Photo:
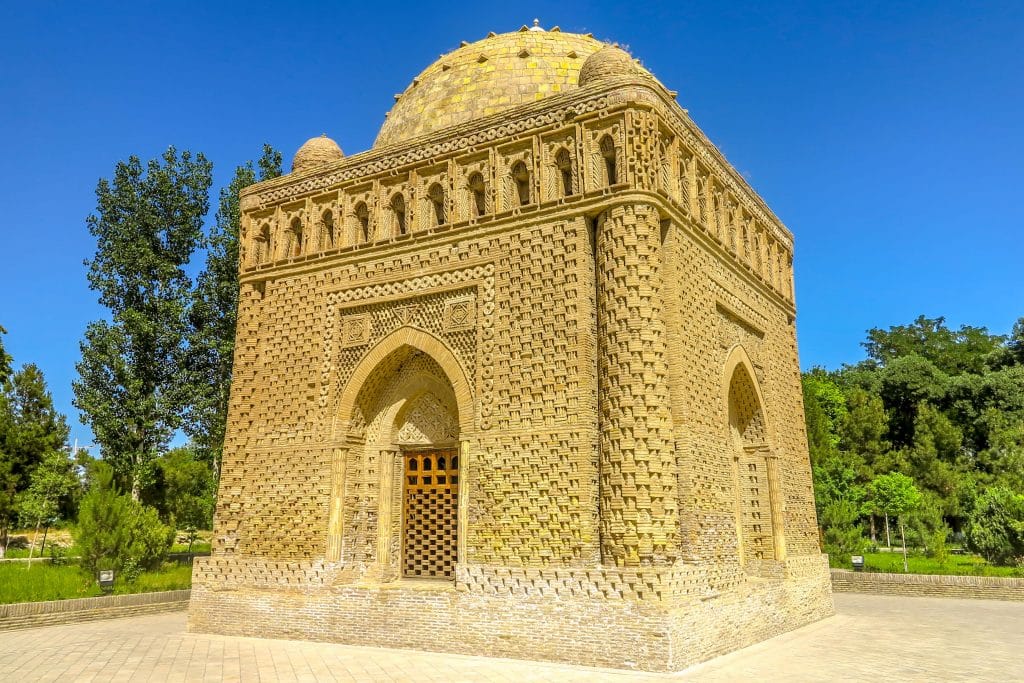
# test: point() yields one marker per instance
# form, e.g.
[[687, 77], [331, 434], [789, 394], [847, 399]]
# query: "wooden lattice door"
[[431, 503]]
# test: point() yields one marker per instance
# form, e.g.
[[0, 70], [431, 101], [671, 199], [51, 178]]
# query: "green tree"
[[824, 410], [932, 460], [183, 490], [1002, 463], [905, 384], [862, 440], [1015, 344], [30, 428], [52, 483], [116, 532], [841, 533], [838, 498], [213, 314], [927, 526], [979, 404], [863, 430], [895, 495], [130, 389], [996, 526], [951, 351], [5, 360]]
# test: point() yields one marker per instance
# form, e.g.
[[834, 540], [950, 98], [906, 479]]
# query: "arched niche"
[[758, 504]]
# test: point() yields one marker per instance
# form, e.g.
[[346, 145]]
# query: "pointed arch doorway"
[[396, 508]]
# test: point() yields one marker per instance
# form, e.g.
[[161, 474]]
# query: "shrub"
[[115, 531], [842, 535], [996, 526]]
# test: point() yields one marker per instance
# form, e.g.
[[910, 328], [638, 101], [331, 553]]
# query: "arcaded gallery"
[[520, 380]]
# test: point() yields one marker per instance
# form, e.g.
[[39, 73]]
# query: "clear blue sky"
[[888, 136]]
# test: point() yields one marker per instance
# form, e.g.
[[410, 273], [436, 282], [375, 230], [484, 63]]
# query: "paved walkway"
[[871, 638]]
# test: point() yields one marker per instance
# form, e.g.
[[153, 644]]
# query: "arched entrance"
[[395, 512], [755, 472]]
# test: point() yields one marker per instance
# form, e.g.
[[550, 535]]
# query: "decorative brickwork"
[[562, 289]]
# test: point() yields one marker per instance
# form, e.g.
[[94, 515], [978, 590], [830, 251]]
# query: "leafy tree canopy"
[[149, 222], [951, 351], [943, 408]]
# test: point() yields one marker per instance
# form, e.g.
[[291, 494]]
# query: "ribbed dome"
[[316, 151], [610, 60], [487, 77]]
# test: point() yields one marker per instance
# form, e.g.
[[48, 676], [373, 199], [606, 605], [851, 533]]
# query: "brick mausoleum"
[[521, 380]]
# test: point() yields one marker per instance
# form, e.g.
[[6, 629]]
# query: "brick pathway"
[[872, 637]]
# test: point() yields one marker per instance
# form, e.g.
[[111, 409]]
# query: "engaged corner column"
[[639, 507]]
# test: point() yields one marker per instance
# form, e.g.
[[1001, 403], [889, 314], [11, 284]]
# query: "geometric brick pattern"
[[568, 286]]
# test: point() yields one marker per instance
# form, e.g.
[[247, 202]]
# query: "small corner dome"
[[316, 152], [610, 60]]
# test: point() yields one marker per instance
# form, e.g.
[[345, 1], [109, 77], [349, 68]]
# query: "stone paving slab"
[[872, 637]]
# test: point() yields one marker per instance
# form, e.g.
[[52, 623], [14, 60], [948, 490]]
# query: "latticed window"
[[363, 221], [563, 162], [431, 493], [608, 154], [479, 190], [436, 196], [521, 176], [398, 211]]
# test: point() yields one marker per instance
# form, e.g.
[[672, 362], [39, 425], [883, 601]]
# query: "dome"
[[610, 60], [487, 77], [314, 152]]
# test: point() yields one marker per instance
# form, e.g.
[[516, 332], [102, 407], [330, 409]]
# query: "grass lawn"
[[197, 547], [961, 565], [18, 583]]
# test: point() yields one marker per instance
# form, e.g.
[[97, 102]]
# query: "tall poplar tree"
[[147, 225], [213, 315]]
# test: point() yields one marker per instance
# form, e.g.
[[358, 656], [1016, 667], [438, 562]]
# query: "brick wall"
[[577, 617], [33, 614], [929, 585]]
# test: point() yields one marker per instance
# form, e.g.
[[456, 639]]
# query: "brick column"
[[241, 403], [639, 515], [775, 493]]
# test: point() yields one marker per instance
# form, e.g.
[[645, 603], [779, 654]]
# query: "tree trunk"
[[874, 535], [904, 539], [32, 547], [888, 542], [42, 546]]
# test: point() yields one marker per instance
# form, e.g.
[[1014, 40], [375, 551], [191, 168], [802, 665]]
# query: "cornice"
[[608, 94]]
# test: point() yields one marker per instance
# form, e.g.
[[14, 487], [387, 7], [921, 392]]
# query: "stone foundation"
[[540, 614]]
